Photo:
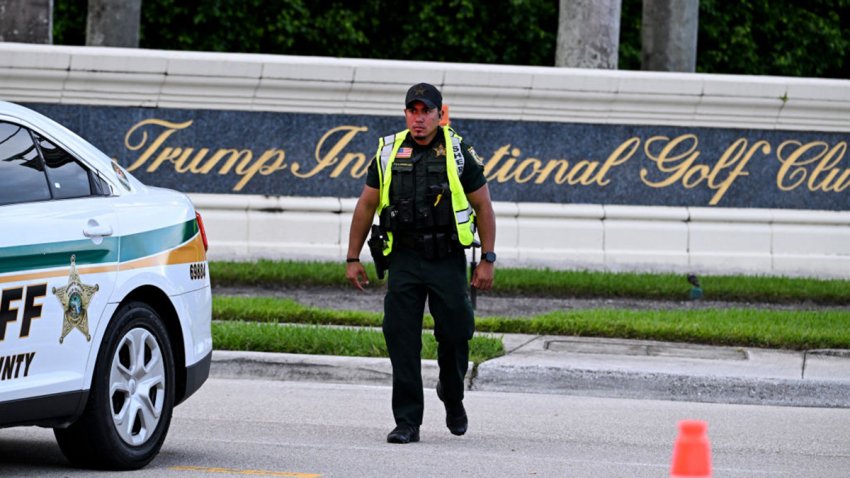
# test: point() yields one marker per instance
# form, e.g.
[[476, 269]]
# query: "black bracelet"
[[352, 259]]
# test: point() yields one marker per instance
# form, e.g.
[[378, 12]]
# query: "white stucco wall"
[[714, 240]]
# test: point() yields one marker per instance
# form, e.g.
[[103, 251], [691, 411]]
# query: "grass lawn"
[[254, 323]]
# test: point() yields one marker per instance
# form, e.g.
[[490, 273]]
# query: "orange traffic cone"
[[444, 119], [691, 452]]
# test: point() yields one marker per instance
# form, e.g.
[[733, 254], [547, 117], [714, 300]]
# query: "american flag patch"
[[404, 152]]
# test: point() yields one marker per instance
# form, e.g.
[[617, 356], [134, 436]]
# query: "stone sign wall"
[[310, 155]]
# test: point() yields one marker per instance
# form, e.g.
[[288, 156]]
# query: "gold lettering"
[[695, 175], [491, 163], [793, 166], [359, 164], [360, 168], [167, 154], [619, 156], [247, 169], [832, 182], [170, 128], [198, 161], [504, 173], [674, 165], [739, 160], [235, 155], [582, 173], [585, 172], [330, 158], [824, 174], [563, 167], [680, 167], [817, 166], [535, 165], [180, 164]]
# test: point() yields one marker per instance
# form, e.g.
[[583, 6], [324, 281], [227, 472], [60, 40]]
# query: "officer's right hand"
[[356, 274]]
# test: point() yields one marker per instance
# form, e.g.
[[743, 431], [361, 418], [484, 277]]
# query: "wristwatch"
[[489, 257]]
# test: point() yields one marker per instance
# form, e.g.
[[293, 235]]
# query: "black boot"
[[403, 434], [456, 420]]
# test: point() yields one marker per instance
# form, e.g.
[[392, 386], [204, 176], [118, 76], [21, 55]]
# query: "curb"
[[312, 368], [661, 386], [495, 376]]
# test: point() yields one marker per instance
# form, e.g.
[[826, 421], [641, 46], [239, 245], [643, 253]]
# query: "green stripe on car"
[[58, 254]]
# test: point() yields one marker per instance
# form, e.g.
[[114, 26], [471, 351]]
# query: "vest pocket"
[[403, 185], [436, 246]]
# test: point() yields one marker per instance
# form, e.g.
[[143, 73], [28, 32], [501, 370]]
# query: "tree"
[[588, 34], [759, 37], [113, 23], [26, 21], [751, 37], [669, 35]]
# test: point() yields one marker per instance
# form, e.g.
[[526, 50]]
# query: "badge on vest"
[[440, 151]]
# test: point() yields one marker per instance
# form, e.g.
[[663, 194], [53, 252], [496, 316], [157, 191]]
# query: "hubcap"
[[137, 386]]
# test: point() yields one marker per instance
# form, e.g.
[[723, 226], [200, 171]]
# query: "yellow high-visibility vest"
[[464, 215]]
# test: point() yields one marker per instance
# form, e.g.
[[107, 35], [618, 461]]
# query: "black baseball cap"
[[425, 93]]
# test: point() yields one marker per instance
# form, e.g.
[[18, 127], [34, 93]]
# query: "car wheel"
[[131, 398]]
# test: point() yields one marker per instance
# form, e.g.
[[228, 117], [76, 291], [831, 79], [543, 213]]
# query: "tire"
[[131, 398]]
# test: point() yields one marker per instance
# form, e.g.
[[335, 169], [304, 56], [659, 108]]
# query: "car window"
[[68, 178], [21, 170]]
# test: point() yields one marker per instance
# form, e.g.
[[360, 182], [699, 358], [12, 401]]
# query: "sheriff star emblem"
[[440, 150], [75, 297], [420, 90]]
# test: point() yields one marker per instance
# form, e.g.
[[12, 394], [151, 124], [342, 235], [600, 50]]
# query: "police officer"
[[427, 186]]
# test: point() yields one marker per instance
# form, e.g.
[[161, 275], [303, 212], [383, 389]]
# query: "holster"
[[376, 247]]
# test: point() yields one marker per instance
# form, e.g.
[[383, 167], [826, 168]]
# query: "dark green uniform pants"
[[443, 282]]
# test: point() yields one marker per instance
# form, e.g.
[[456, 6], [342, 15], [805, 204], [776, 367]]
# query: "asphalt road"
[[301, 429]]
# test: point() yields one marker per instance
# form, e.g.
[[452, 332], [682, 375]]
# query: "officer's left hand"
[[482, 278], [356, 274]]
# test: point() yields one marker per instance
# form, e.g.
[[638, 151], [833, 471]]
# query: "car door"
[[58, 263]]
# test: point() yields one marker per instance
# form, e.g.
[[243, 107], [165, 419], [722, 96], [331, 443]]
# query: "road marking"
[[234, 471]]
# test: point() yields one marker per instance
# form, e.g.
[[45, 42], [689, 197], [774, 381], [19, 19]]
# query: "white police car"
[[106, 304]]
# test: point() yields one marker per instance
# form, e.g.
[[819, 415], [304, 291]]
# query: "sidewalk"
[[597, 367]]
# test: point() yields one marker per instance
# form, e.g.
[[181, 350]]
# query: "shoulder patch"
[[475, 156]]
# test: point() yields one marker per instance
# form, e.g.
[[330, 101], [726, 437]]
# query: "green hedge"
[[757, 37]]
